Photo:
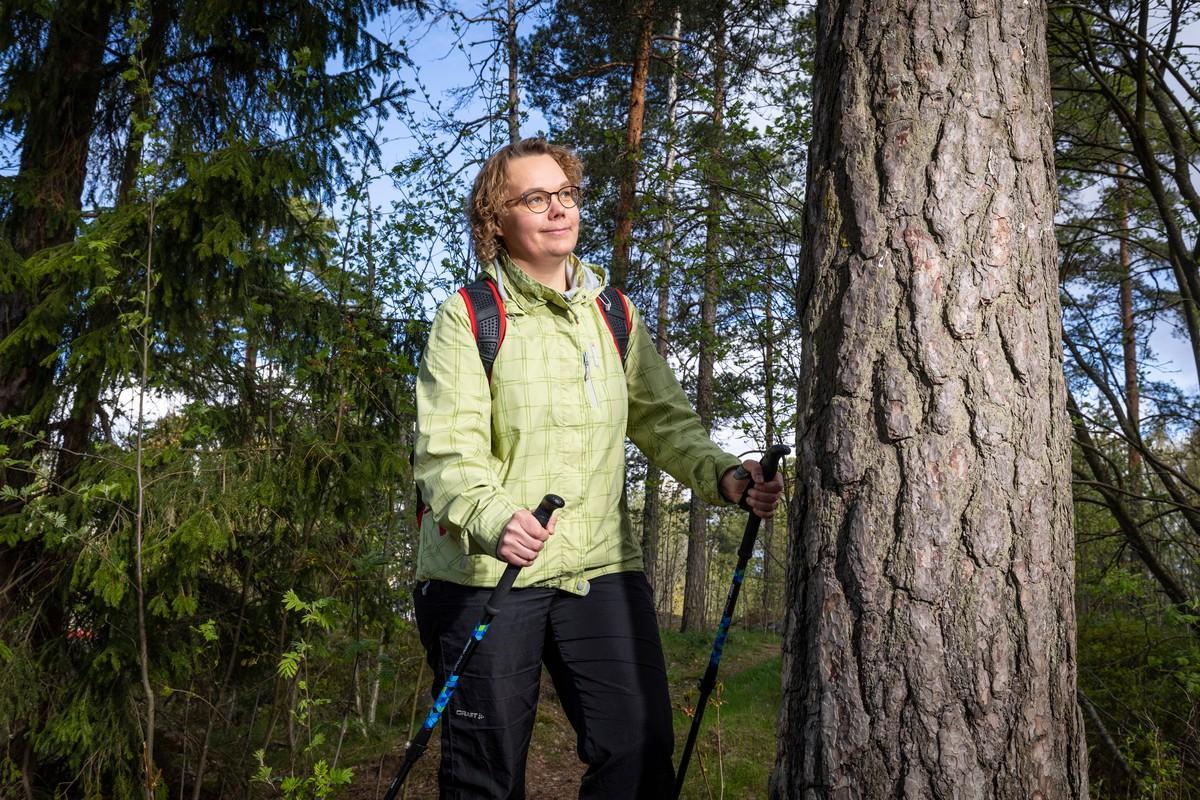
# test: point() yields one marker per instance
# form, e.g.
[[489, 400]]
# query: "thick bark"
[[652, 508], [930, 649], [627, 190], [695, 591]]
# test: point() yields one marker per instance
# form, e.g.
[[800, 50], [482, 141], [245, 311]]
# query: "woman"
[[552, 418]]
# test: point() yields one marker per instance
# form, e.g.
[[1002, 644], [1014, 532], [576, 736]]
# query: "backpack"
[[485, 308]]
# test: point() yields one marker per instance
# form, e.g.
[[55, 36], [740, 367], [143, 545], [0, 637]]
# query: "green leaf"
[[208, 629]]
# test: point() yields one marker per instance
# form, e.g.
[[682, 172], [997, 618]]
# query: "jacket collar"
[[517, 288]]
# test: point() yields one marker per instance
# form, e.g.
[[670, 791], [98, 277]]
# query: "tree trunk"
[[930, 646], [652, 507], [510, 43], [1128, 331], [632, 155], [695, 590], [767, 539], [48, 198]]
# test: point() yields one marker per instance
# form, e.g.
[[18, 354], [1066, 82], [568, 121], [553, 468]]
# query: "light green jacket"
[[553, 419]]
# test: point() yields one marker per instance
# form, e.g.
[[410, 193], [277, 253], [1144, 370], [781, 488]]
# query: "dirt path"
[[553, 770]]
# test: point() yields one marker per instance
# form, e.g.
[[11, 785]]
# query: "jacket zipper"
[[587, 379]]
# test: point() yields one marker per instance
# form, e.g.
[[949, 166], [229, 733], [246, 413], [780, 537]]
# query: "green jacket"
[[553, 419]]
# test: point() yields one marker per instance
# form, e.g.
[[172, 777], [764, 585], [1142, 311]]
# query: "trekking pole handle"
[[770, 465], [550, 503]]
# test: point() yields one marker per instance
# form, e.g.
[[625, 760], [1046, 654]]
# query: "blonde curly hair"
[[486, 204]]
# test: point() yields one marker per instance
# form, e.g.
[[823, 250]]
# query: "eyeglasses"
[[538, 200]]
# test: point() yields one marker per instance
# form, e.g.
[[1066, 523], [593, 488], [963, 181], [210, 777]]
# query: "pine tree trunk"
[[930, 649], [695, 590], [1128, 331], [512, 51], [632, 155]]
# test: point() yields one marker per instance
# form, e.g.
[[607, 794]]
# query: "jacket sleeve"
[[663, 424], [454, 466]]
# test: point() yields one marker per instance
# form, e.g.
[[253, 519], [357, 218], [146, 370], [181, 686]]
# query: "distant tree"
[[163, 233]]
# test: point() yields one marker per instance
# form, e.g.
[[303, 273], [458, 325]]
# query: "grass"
[[736, 745]]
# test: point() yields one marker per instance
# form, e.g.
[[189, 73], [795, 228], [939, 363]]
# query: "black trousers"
[[604, 655]]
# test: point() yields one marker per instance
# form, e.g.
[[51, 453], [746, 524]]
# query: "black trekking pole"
[[416, 748], [770, 465]]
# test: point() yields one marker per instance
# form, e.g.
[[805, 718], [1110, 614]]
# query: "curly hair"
[[486, 204]]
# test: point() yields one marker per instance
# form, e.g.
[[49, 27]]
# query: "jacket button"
[[583, 586]]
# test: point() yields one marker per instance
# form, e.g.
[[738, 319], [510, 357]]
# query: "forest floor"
[[736, 746]]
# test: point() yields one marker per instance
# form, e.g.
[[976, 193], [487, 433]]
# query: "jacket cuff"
[[488, 524], [725, 463]]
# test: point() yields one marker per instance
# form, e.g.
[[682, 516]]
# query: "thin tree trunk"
[[376, 682], [632, 155], [1128, 330], [1110, 745], [930, 649], [768, 526], [151, 773], [1122, 513], [514, 105], [695, 592], [652, 507], [226, 680]]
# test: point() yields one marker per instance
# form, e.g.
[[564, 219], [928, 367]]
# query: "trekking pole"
[[416, 748], [770, 465]]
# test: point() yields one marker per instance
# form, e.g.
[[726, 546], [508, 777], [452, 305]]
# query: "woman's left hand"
[[762, 497]]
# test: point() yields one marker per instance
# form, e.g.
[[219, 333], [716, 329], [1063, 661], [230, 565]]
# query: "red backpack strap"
[[614, 308], [486, 310]]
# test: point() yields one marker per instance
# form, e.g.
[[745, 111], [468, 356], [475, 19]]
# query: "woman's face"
[[541, 241]]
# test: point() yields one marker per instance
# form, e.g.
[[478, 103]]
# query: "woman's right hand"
[[523, 538]]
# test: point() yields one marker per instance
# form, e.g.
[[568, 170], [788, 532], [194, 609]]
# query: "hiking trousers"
[[605, 658]]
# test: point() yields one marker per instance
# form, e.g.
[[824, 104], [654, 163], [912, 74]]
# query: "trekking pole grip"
[[550, 503], [770, 464]]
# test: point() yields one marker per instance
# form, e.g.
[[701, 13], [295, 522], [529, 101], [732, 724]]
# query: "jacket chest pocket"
[[538, 379], [566, 372]]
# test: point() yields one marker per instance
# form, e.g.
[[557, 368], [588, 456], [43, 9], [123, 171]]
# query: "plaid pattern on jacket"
[[553, 419]]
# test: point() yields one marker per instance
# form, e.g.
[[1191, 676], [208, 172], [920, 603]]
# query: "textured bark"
[[930, 646], [627, 191], [695, 590]]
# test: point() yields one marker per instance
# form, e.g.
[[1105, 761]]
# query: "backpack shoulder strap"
[[486, 310], [615, 310]]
